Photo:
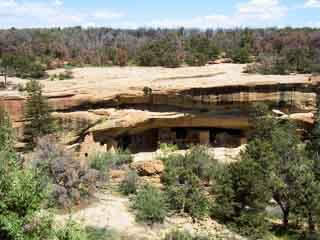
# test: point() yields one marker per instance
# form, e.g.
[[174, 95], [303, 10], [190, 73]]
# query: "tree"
[[6, 132], [243, 184], [283, 175], [166, 52], [21, 194], [273, 165], [121, 58], [39, 121], [183, 178], [241, 55], [274, 146], [6, 67], [307, 194]]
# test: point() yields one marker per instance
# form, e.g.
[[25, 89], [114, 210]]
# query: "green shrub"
[[130, 184], [71, 231], [147, 91], [184, 177], [104, 161], [101, 162], [21, 196], [241, 55], [196, 59], [102, 234], [188, 197], [251, 224], [150, 205], [315, 69], [68, 74], [171, 60], [184, 235], [198, 161]]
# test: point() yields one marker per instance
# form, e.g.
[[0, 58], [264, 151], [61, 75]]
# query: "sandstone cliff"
[[113, 102]]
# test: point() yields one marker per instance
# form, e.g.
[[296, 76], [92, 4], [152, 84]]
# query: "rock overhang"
[[213, 96]]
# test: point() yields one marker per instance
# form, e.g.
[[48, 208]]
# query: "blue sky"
[[161, 13]]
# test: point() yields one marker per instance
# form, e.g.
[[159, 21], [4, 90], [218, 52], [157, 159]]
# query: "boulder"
[[117, 174], [148, 167]]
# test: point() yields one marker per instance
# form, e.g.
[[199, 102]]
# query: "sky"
[[159, 13]]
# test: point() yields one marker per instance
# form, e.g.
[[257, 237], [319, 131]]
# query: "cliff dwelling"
[[150, 140], [182, 137]]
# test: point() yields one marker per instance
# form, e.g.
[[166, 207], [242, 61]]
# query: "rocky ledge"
[[130, 106]]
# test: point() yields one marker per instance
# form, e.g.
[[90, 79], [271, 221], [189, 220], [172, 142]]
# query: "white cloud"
[[14, 13], [261, 10], [312, 4], [58, 2], [251, 13], [212, 21], [7, 3]]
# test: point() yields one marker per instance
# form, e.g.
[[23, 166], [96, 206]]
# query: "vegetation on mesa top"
[[27, 53]]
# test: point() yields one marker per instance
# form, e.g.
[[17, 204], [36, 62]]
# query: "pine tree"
[[6, 132], [39, 121]]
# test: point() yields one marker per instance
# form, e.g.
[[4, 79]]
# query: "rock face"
[[184, 105]]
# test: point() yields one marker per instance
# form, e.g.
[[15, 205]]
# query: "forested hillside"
[[28, 52]]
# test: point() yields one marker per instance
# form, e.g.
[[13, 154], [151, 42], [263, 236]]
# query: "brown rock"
[[117, 174], [148, 168]]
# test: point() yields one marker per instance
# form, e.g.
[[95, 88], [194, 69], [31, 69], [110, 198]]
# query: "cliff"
[[114, 102]]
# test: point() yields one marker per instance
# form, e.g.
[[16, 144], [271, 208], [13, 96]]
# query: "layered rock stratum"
[[111, 102]]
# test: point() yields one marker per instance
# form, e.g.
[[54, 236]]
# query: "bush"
[[147, 91], [188, 197], [65, 75], [21, 196], [251, 224], [184, 177], [198, 161], [102, 234], [241, 55], [315, 69], [72, 231], [150, 205], [24, 66], [171, 60], [63, 174], [179, 235], [130, 184], [104, 161], [196, 59]]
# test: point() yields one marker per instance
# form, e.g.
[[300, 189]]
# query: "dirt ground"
[[112, 211]]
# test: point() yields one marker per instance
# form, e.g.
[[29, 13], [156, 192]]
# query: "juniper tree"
[[39, 121]]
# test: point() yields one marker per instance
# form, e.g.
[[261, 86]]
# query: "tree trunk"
[[5, 76], [285, 219], [311, 223]]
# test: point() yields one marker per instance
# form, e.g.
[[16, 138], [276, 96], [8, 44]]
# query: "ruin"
[[182, 137]]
